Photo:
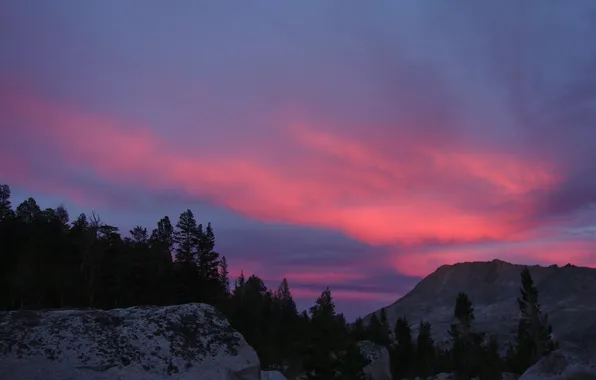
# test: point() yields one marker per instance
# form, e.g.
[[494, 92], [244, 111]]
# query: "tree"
[[325, 339], [5, 205], [358, 330], [492, 364], [185, 236], [139, 235], [466, 344], [351, 363], [378, 329], [534, 333], [208, 259], [28, 211], [425, 349], [47, 263], [162, 237], [402, 354], [62, 216], [386, 331], [224, 275]]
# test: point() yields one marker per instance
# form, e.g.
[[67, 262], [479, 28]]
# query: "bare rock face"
[[380, 365], [192, 341], [567, 294], [560, 365]]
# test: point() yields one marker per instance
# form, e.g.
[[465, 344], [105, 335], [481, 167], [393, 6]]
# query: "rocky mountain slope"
[[567, 293], [192, 341]]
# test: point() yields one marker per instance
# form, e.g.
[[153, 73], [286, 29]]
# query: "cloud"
[[410, 135]]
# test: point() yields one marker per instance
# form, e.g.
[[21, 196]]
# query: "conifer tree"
[[534, 333], [324, 339], [466, 344], [425, 350], [378, 330], [208, 259], [185, 236], [385, 335], [224, 274], [5, 205], [403, 350]]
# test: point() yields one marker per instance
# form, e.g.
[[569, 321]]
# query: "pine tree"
[[185, 237], [425, 349], [208, 259], [224, 275], [534, 333], [385, 329], [324, 339], [378, 329], [163, 235], [466, 344], [5, 205], [403, 351]]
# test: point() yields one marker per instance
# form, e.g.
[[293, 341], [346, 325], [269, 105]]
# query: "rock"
[[567, 294], [380, 365], [192, 341], [272, 375], [560, 365]]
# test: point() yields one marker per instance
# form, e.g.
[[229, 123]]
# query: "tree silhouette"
[[534, 333]]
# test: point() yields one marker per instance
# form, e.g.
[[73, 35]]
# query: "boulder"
[[560, 365], [191, 341], [380, 365]]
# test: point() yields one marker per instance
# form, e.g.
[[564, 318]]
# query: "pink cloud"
[[420, 190]]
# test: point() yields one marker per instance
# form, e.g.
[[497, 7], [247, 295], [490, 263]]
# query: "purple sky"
[[353, 144]]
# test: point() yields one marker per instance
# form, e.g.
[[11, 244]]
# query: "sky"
[[356, 145]]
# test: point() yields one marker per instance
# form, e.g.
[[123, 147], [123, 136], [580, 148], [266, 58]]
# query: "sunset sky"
[[355, 144]]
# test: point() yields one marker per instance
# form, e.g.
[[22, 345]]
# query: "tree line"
[[470, 353], [47, 261]]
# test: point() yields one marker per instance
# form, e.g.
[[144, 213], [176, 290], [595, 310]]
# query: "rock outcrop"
[[192, 341], [567, 294], [560, 365], [380, 363]]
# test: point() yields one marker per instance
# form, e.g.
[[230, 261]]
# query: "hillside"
[[567, 294]]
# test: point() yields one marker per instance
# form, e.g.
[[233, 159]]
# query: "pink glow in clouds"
[[439, 193]]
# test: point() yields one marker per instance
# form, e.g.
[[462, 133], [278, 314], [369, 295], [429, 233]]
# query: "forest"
[[48, 261]]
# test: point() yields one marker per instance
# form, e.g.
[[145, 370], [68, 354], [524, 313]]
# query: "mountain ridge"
[[567, 294]]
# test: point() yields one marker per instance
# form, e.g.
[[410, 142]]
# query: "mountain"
[[567, 294]]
